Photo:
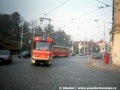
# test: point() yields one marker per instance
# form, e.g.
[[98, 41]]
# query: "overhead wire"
[[95, 17], [57, 7], [90, 19], [31, 11], [102, 3], [89, 3], [62, 17], [83, 15], [88, 13]]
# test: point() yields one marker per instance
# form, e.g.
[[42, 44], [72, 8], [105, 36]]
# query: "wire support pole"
[[41, 21]]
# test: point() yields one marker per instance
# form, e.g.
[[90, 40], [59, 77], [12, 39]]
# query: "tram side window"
[[62, 49], [67, 49], [59, 49], [56, 49]]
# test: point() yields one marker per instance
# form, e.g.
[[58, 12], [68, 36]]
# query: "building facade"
[[116, 33], [102, 45]]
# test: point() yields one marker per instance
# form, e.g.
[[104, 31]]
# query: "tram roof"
[[44, 39], [60, 46]]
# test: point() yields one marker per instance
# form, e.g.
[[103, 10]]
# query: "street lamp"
[[72, 45], [71, 39], [91, 48], [104, 26], [22, 40], [80, 46], [84, 45], [104, 30]]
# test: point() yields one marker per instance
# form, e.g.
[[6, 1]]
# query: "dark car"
[[5, 56], [72, 53], [97, 56], [26, 54]]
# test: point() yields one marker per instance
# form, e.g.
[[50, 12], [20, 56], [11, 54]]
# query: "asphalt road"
[[65, 73]]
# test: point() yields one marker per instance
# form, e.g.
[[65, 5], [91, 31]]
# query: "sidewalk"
[[99, 64]]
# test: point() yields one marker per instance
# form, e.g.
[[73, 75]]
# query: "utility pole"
[[105, 45], [84, 46], [41, 21], [21, 40], [91, 48]]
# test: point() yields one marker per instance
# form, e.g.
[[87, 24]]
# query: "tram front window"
[[42, 45]]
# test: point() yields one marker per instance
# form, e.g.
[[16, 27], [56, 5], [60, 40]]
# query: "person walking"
[[106, 58]]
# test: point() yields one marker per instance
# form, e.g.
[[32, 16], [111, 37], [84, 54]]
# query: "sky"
[[76, 17]]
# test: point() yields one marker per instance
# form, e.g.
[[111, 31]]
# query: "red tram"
[[61, 51], [42, 50]]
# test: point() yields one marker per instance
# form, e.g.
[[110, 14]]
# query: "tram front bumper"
[[35, 60]]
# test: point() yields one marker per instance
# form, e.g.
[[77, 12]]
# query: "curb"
[[95, 67]]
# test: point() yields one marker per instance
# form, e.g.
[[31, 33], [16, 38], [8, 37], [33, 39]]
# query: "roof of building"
[[101, 42]]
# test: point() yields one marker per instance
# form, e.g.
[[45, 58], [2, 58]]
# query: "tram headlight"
[[48, 56]]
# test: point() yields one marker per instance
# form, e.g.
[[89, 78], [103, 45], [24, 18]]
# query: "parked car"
[[97, 56], [73, 54], [26, 54], [81, 54], [6, 56], [88, 53]]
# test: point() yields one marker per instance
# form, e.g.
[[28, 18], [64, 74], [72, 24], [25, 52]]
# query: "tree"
[[10, 30], [15, 23], [61, 38], [38, 31], [5, 26], [93, 45], [26, 32], [48, 30], [33, 24]]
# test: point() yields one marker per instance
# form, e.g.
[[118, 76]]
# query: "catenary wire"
[[57, 7]]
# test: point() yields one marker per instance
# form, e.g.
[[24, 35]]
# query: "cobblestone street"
[[64, 72]]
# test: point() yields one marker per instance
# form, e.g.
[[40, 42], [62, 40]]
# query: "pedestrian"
[[106, 58]]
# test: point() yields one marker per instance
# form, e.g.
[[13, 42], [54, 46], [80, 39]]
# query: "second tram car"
[[61, 51]]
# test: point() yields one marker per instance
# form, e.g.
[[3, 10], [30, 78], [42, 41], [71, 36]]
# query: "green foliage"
[[11, 29], [61, 38], [5, 26]]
